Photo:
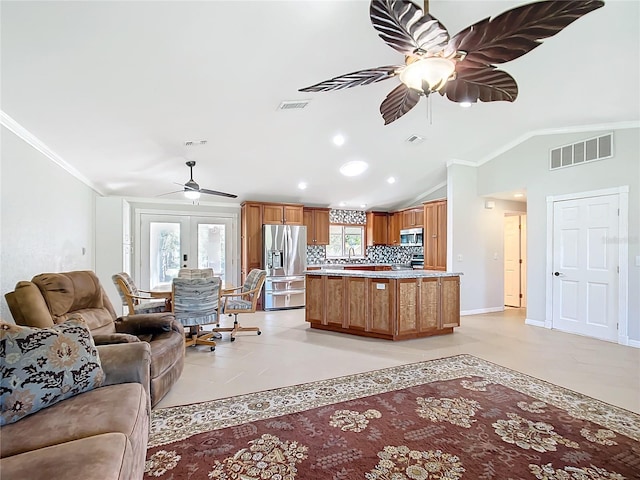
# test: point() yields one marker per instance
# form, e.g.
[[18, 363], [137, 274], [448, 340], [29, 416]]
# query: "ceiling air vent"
[[415, 139], [596, 148], [293, 104]]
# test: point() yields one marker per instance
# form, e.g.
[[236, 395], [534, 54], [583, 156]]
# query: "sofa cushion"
[[43, 366], [120, 408], [108, 456], [166, 349]]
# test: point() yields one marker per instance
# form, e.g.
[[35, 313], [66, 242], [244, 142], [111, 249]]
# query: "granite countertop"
[[382, 273], [337, 266]]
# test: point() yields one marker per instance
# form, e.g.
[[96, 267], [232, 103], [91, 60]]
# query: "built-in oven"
[[411, 237]]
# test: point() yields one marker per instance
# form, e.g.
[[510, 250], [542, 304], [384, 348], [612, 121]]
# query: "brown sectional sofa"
[[100, 434]]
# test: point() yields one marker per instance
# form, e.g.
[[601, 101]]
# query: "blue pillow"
[[42, 366]]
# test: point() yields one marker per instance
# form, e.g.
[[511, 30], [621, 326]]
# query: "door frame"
[[234, 237], [623, 255]]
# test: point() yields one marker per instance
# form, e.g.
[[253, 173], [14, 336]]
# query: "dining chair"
[[195, 303], [140, 301], [243, 299], [195, 273]]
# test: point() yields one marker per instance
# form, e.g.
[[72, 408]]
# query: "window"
[[344, 238]]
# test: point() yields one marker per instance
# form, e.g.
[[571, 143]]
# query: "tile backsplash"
[[316, 254]]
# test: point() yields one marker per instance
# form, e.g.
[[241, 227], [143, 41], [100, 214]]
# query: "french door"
[[170, 242]]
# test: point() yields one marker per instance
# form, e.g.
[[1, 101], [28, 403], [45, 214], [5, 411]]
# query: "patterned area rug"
[[452, 418]]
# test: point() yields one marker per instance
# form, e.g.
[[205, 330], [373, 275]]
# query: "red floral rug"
[[453, 418]]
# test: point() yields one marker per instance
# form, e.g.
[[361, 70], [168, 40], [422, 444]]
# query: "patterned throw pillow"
[[42, 366]]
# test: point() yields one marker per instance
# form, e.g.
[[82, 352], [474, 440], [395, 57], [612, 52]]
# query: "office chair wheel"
[[233, 339], [213, 349], [259, 332]]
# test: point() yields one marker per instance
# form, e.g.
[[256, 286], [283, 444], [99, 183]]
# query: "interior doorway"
[[168, 242], [515, 260]]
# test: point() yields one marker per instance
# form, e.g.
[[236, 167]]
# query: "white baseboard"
[[482, 310], [634, 343], [535, 323]]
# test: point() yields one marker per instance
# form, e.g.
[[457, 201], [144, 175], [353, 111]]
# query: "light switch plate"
[[380, 286]]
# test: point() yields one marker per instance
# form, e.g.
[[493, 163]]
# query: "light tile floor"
[[288, 352]]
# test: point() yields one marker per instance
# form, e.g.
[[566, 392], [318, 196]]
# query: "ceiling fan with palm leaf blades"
[[192, 190], [461, 67]]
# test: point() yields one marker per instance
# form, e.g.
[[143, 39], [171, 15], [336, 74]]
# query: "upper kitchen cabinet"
[[395, 222], [277, 214], [435, 235], [377, 228], [412, 218], [317, 222]]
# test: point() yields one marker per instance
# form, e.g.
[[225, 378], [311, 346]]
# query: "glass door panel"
[[164, 258]]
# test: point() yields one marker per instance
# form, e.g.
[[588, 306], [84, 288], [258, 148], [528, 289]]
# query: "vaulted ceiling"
[[115, 89]]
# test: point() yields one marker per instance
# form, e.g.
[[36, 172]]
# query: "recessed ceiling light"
[[338, 140], [391, 180], [353, 168], [364, 205], [302, 185], [465, 104], [342, 204], [518, 195]]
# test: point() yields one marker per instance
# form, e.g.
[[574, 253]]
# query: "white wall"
[[527, 166], [46, 217], [476, 241]]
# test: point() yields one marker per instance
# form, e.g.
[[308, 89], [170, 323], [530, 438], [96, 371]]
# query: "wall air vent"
[[415, 139], [193, 143], [596, 148], [293, 104]]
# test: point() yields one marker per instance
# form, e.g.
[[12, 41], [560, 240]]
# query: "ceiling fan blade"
[[480, 82], [220, 194], [169, 193], [517, 31], [399, 101], [406, 28], [354, 79]]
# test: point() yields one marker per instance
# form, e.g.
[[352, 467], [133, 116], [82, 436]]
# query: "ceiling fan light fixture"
[[435, 71], [192, 194]]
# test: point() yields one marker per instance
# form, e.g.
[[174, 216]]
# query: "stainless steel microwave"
[[411, 237]]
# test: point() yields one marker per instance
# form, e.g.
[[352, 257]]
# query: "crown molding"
[[556, 131], [29, 138], [422, 195], [456, 161]]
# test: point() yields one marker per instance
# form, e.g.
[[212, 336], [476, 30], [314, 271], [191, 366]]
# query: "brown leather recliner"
[[50, 298]]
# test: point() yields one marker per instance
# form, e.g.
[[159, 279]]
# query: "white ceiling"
[[116, 88]]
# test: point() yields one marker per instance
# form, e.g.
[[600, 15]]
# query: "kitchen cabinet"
[[393, 307], [317, 222], [277, 214], [377, 228], [412, 217], [435, 235], [250, 237], [395, 221]]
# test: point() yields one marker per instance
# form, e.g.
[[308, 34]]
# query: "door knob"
[[557, 274]]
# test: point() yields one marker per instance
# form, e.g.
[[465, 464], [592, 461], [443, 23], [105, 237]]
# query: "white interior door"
[[523, 263], [585, 269], [512, 261], [170, 242]]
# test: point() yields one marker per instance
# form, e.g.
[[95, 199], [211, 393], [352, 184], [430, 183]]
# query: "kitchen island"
[[394, 305]]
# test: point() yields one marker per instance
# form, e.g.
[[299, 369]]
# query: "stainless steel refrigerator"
[[285, 260]]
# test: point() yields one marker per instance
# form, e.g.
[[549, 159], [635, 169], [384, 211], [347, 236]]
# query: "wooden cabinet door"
[[273, 214], [321, 226], [314, 299], [356, 303], [441, 235], [407, 305], [292, 214], [418, 214], [335, 298], [381, 305], [251, 237], [449, 302], [407, 219], [430, 236], [395, 221], [307, 221], [429, 317], [377, 228]]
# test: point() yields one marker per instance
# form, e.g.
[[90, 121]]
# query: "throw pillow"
[[42, 366]]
